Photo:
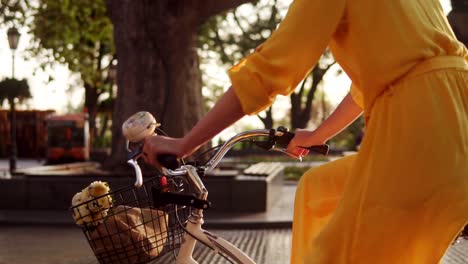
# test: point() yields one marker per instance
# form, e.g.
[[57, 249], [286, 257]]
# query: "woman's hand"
[[225, 112], [346, 112], [156, 144], [304, 138]]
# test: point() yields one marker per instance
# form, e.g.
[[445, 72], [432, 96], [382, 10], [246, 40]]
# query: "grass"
[[294, 173]]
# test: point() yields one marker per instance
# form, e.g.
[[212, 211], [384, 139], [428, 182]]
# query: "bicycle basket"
[[130, 229]]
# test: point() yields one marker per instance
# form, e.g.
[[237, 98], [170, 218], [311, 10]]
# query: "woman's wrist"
[[186, 147], [319, 136]]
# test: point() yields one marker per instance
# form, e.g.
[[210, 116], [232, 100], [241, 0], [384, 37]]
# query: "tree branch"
[[239, 25], [301, 90], [274, 12], [217, 39], [328, 67], [317, 78]]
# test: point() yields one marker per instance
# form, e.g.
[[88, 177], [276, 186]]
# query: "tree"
[[350, 138], [236, 34], [301, 99], [78, 34], [458, 19], [158, 69], [13, 12], [12, 89]]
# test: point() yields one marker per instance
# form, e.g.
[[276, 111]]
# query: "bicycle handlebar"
[[143, 124], [278, 139]]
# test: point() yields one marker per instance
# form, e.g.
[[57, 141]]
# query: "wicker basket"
[[130, 229]]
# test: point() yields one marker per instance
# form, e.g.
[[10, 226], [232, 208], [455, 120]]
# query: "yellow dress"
[[404, 197]]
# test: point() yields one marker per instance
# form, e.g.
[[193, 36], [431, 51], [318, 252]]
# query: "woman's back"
[[377, 42]]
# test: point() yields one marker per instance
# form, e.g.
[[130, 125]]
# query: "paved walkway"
[[41, 244], [50, 237], [266, 237], [20, 164]]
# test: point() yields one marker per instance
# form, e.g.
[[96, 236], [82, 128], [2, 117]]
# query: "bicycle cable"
[[208, 150]]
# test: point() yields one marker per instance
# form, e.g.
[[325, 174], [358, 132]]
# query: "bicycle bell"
[[135, 129], [138, 126]]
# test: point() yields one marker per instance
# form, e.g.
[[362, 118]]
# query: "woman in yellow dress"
[[404, 197]]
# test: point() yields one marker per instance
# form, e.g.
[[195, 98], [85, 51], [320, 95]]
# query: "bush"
[[294, 173], [12, 88]]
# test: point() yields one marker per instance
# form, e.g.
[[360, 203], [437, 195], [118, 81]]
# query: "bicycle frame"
[[195, 232], [193, 229]]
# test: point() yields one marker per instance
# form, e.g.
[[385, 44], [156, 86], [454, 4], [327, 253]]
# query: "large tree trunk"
[[91, 102], [158, 66], [458, 19]]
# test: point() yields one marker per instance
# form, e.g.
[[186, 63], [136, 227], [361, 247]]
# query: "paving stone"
[[47, 244]]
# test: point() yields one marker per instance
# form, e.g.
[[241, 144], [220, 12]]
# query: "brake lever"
[[322, 149], [132, 157], [138, 174], [282, 150]]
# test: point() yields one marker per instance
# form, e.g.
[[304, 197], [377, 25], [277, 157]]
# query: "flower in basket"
[[90, 205]]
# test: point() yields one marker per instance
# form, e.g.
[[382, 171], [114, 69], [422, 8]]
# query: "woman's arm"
[[276, 67], [226, 111], [346, 112]]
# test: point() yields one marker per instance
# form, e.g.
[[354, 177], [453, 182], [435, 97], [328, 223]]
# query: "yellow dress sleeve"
[[280, 63], [356, 94]]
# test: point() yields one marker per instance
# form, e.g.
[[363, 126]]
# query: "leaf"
[[71, 30]]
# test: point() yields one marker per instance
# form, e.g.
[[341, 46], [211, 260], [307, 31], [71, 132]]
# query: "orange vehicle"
[[67, 138]]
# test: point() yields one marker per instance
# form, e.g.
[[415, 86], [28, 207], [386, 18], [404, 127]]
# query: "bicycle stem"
[[197, 182]]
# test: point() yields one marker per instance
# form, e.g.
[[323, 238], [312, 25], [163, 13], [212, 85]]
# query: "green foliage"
[[11, 88], [226, 39], [215, 92], [13, 12], [76, 33], [294, 173], [235, 34], [349, 139], [104, 141]]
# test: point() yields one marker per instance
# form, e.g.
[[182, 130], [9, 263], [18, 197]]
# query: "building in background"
[[68, 138], [31, 133]]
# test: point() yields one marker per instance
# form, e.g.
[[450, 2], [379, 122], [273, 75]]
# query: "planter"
[[255, 189]]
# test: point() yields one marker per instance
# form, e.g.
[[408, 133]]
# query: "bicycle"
[[174, 204]]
